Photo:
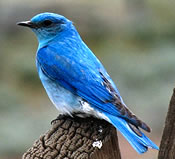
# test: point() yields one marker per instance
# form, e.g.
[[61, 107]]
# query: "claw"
[[59, 117]]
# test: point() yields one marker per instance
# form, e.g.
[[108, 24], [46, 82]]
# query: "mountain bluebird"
[[76, 81]]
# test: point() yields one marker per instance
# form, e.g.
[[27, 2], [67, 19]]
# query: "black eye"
[[47, 23]]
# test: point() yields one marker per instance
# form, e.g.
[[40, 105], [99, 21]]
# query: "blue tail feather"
[[139, 142]]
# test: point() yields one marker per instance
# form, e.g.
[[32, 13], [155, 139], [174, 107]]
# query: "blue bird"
[[76, 81]]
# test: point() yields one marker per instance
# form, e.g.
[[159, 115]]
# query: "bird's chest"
[[65, 101]]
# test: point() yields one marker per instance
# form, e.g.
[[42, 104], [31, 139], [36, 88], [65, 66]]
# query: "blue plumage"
[[76, 81]]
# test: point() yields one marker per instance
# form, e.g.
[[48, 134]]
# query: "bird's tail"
[[135, 137]]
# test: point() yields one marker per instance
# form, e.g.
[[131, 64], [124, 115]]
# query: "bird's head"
[[46, 26]]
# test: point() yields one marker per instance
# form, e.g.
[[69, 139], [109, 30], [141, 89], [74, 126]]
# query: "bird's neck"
[[70, 35], [44, 42]]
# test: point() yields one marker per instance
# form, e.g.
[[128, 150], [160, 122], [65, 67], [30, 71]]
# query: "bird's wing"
[[87, 79]]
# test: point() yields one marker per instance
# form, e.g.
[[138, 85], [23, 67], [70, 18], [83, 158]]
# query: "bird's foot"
[[59, 117]]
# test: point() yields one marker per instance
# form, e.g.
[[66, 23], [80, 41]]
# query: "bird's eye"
[[47, 23]]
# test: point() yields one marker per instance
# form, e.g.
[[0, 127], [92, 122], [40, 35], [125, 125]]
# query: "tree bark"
[[76, 138], [167, 146]]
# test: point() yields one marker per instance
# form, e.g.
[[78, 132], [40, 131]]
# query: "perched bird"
[[76, 81]]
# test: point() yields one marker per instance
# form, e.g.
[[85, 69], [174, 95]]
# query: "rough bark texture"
[[167, 146], [74, 138]]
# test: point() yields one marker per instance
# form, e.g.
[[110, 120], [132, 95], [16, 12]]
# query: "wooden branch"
[[167, 146], [76, 138]]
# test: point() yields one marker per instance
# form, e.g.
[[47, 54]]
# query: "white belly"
[[65, 101]]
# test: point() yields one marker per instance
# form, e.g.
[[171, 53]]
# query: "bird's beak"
[[27, 24]]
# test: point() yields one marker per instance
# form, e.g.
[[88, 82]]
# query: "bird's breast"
[[65, 101]]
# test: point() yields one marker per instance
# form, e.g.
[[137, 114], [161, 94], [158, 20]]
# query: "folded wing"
[[84, 75]]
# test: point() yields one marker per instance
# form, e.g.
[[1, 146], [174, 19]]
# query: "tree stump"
[[167, 146], [76, 138]]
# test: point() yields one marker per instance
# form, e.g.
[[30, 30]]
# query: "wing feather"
[[87, 79]]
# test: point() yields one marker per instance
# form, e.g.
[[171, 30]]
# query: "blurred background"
[[133, 39]]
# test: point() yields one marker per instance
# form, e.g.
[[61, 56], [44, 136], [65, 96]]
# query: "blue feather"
[[72, 74], [83, 78], [139, 142]]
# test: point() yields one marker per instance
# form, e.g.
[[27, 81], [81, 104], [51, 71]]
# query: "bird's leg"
[[59, 117]]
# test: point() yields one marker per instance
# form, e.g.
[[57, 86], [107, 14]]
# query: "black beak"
[[27, 24]]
